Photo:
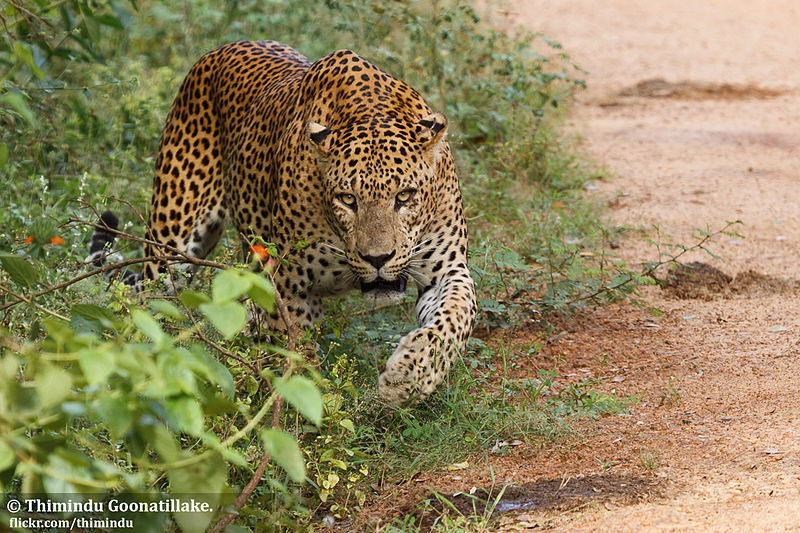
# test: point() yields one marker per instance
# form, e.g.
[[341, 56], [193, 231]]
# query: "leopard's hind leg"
[[188, 209]]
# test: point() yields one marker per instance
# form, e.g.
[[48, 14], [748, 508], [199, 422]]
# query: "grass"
[[672, 395], [649, 460]]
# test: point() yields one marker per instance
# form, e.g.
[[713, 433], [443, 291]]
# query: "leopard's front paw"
[[414, 369]]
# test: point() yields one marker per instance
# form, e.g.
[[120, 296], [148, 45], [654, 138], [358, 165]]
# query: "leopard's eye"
[[405, 196], [348, 199]]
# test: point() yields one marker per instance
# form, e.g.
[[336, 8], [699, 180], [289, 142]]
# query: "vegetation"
[[102, 393]]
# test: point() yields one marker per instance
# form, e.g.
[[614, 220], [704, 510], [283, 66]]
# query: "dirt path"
[[714, 444]]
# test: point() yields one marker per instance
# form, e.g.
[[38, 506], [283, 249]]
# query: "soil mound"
[[692, 90], [700, 281]]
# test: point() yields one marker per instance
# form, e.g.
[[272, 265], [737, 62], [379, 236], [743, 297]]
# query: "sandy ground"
[[714, 445]]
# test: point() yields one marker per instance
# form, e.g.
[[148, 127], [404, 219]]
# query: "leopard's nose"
[[377, 260]]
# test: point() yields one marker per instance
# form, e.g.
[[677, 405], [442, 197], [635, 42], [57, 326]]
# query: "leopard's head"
[[380, 190]]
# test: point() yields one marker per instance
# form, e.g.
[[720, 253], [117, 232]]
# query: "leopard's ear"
[[431, 132], [319, 138]]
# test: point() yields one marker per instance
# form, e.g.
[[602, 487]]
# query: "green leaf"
[[24, 53], [111, 21], [20, 271], [338, 463], [303, 395], [116, 414], [16, 102], [262, 292], [229, 285], [94, 313], [58, 333], [96, 365], [213, 369], [162, 441], [193, 298], [184, 413], [149, 326], [205, 481], [173, 378], [229, 318], [232, 455], [167, 309], [9, 365], [69, 468], [284, 450], [52, 385], [7, 457], [3, 154]]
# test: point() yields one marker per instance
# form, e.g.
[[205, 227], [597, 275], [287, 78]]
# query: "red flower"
[[29, 239], [260, 251]]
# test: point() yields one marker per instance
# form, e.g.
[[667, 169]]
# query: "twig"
[[651, 269], [5, 26], [116, 266], [179, 257], [225, 352], [11, 344], [130, 206], [291, 328], [28, 300], [27, 15], [247, 491], [168, 248], [82, 88]]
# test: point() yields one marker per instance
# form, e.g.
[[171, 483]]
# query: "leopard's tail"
[[102, 246]]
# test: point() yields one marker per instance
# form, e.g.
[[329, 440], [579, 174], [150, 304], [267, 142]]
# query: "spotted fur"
[[336, 153]]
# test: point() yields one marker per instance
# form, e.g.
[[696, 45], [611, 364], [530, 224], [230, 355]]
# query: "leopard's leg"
[[446, 313], [188, 209], [446, 310]]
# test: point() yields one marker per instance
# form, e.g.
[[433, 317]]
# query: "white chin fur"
[[384, 298]]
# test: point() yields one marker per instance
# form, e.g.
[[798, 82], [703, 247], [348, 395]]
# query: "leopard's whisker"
[[423, 246], [418, 276], [335, 250]]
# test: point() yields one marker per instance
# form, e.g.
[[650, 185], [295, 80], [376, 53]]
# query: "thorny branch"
[[178, 256], [170, 259], [650, 269], [28, 16]]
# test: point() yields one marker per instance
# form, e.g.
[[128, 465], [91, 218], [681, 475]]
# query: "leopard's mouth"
[[380, 285]]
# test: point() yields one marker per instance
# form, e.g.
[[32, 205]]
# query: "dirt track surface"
[[694, 109]]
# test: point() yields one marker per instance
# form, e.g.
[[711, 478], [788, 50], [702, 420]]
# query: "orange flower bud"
[[29, 239], [57, 241]]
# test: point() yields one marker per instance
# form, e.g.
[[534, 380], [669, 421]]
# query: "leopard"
[[337, 155]]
